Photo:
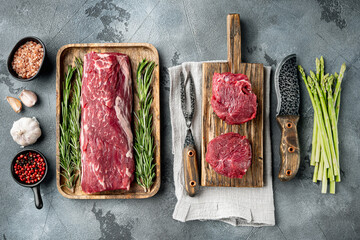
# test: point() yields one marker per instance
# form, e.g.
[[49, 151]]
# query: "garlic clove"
[[15, 104], [28, 98]]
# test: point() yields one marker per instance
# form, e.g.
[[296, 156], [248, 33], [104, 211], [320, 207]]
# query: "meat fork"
[[191, 174]]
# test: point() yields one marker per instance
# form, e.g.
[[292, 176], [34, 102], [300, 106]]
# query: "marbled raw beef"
[[233, 100], [229, 155], [106, 139]]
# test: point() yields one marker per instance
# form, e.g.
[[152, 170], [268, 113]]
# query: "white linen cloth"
[[236, 206]]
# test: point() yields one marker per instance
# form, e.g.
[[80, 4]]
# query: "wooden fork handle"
[[191, 173]]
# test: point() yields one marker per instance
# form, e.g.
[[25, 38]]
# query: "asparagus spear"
[[337, 108], [337, 98], [314, 142], [318, 71], [315, 151], [316, 172], [318, 146], [302, 72], [332, 187], [333, 117], [324, 181], [339, 81], [322, 67], [321, 170]]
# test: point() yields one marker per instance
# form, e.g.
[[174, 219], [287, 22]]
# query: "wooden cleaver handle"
[[289, 147], [191, 173]]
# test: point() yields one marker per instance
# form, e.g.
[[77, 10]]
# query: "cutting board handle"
[[234, 42]]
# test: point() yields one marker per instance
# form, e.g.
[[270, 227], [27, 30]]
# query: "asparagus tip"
[[343, 67]]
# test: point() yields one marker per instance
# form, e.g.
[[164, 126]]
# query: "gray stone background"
[[184, 31]]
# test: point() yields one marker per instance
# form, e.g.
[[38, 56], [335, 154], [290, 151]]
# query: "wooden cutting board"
[[213, 126], [136, 52]]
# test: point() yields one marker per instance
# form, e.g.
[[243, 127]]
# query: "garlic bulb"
[[15, 104], [25, 131], [28, 98]]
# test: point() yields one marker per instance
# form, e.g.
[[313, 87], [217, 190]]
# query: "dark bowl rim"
[[13, 172], [11, 56]]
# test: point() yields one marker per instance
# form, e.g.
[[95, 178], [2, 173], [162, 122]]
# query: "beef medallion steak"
[[106, 139], [229, 155], [233, 100]]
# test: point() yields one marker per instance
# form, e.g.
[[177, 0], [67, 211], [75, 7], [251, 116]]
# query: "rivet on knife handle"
[[289, 147]]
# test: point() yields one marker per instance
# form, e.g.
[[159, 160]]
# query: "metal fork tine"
[[187, 115]]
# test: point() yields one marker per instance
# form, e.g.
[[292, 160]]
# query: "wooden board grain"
[[213, 126], [136, 52]]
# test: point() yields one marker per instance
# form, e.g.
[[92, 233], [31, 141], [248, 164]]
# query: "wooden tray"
[[136, 52], [213, 126]]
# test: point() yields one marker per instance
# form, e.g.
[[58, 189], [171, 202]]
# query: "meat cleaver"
[[288, 98]]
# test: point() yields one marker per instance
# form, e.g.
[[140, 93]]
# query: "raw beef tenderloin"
[[233, 100], [106, 139], [229, 155]]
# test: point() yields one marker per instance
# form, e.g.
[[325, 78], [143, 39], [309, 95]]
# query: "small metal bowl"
[[12, 53], [34, 186]]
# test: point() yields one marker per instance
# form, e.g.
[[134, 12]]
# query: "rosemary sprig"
[[144, 142], [69, 145], [75, 112], [64, 144]]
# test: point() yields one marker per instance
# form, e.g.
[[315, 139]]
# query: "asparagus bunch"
[[325, 98]]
